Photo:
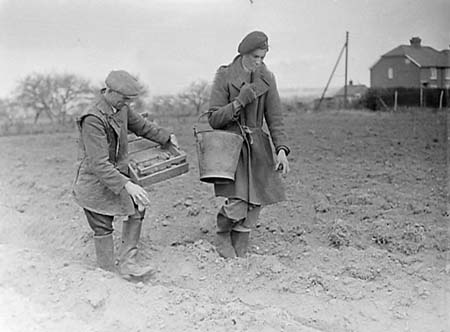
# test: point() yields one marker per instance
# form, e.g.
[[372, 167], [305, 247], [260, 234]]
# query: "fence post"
[[395, 100], [383, 103], [421, 96], [441, 98]]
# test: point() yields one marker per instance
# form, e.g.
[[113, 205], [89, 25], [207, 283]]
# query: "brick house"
[[354, 93], [412, 66]]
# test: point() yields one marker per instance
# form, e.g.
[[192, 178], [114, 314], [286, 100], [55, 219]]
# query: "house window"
[[390, 73], [433, 73], [447, 73]]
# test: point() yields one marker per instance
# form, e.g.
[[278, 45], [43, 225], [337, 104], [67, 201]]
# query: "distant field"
[[359, 245]]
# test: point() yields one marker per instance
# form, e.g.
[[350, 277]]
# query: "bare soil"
[[361, 244]]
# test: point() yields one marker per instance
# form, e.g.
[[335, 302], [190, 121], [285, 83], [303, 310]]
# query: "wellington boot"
[[240, 242], [104, 250], [223, 245], [127, 265], [129, 268]]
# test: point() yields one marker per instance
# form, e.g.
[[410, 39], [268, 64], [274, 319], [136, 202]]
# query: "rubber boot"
[[240, 242], [223, 237], [223, 245], [104, 250], [127, 265], [241, 232]]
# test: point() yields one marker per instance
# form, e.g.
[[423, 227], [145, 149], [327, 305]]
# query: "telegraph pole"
[[346, 65], [344, 47]]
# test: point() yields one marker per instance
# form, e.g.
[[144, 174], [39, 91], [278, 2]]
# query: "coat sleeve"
[[274, 117], [221, 110], [144, 128], [93, 135]]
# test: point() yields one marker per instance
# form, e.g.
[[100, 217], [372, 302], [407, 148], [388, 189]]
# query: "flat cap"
[[254, 40], [123, 83]]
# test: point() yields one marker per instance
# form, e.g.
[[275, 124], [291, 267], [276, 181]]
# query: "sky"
[[170, 43]]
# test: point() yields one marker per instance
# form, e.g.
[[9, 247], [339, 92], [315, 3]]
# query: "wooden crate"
[[150, 164]]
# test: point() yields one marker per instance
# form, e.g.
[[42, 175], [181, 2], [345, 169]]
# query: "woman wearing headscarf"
[[244, 95]]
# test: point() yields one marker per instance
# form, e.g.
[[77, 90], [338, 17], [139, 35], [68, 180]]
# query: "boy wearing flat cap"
[[244, 94], [102, 186]]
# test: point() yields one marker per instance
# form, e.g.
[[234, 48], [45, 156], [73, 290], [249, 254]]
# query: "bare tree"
[[4, 115], [172, 105], [55, 95], [141, 103], [196, 95], [10, 110]]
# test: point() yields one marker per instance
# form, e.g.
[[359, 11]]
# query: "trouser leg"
[[249, 222], [101, 224]]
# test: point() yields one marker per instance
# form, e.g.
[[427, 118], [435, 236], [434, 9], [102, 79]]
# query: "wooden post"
[[346, 69], [383, 103], [395, 100], [331, 76], [421, 96], [441, 98]]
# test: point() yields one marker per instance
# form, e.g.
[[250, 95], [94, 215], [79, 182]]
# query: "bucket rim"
[[218, 130]]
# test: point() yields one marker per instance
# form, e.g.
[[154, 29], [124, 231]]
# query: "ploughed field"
[[361, 244]]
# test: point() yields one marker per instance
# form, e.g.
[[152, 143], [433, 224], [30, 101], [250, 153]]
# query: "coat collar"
[[112, 117], [103, 106], [238, 76]]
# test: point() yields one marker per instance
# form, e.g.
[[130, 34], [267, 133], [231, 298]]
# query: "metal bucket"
[[218, 155]]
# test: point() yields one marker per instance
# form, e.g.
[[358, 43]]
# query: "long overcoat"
[[102, 173], [256, 181]]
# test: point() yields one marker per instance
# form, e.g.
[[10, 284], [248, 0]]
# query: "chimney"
[[415, 41]]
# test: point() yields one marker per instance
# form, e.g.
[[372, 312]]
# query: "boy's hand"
[[138, 194], [173, 140]]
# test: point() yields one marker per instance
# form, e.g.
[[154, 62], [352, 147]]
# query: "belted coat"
[[256, 180], [102, 173]]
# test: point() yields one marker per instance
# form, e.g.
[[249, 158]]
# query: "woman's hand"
[[282, 164]]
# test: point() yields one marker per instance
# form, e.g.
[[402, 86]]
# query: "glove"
[[246, 95]]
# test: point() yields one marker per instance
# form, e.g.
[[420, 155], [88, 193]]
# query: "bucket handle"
[[198, 121], [208, 112]]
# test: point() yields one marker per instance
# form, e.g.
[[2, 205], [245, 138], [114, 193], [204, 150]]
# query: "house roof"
[[352, 90], [446, 56], [422, 56]]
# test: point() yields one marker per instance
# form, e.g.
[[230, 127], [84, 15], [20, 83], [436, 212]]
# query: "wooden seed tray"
[[150, 164]]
